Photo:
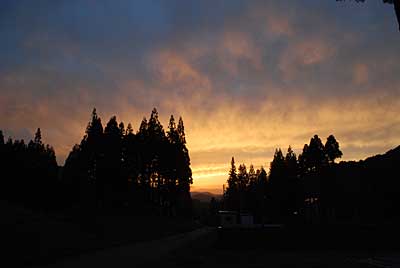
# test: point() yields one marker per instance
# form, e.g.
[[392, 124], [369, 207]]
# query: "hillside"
[[204, 196], [368, 189]]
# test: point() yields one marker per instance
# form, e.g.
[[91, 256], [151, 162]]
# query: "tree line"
[[113, 167], [29, 171], [313, 188]]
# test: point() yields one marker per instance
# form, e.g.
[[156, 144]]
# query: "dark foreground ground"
[[343, 247], [34, 238]]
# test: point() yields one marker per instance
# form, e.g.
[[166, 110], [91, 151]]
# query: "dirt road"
[[131, 256]]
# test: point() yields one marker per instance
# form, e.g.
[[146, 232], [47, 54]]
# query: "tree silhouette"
[[278, 185], [303, 161], [131, 164], [332, 150], [184, 171], [29, 172], [252, 191], [173, 135], [113, 184], [92, 147], [243, 182], [262, 192], [291, 163], [294, 191], [232, 191], [156, 130], [129, 129], [314, 155], [143, 129], [1, 138], [38, 137]]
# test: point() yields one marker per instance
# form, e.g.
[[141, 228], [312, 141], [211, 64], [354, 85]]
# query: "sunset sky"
[[246, 76]]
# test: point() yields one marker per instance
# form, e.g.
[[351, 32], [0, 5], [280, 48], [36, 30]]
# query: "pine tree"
[[145, 156], [92, 141], [291, 164], [294, 191], [174, 153], [122, 129], [1, 138], [112, 129], [252, 175], [232, 180], [277, 167], [114, 183], [181, 131], [143, 128], [173, 134], [243, 177], [262, 193], [129, 129], [131, 157], [232, 191], [303, 161], [243, 181], [94, 129], [155, 128], [316, 154], [332, 150], [38, 137], [92, 148], [278, 185], [251, 191], [186, 170], [262, 177]]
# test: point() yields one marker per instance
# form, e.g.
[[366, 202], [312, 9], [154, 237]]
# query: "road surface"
[[129, 256]]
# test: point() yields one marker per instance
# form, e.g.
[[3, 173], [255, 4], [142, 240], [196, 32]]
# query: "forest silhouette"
[[112, 168], [313, 189]]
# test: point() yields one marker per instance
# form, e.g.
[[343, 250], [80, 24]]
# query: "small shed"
[[246, 219], [228, 218]]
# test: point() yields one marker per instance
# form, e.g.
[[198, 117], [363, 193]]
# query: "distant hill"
[[369, 189], [205, 196], [390, 158]]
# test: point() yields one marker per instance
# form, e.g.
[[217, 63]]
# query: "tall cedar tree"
[[232, 191], [332, 150]]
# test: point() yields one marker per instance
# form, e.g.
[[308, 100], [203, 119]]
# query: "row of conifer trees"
[[28, 171], [113, 167], [291, 181]]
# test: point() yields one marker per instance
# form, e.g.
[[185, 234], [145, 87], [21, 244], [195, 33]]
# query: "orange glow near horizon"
[[252, 135]]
